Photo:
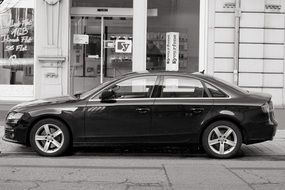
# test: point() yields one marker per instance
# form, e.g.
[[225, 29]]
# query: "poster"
[[123, 46], [80, 39], [172, 51]]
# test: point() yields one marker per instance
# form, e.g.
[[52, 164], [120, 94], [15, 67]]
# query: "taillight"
[[271, 107], [267, 107]]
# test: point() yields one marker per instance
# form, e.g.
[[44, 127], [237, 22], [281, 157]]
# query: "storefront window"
[[173, 35], [101, 47], [17, 46]]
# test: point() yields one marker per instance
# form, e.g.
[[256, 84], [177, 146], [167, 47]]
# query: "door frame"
[[102, 12]]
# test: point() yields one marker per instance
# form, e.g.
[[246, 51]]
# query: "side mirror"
[[77, 94], [107, 95]]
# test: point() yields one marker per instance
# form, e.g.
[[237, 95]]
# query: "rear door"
[[179, 110]]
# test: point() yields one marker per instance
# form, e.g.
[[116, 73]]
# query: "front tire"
[[222, 139], [50, 137]]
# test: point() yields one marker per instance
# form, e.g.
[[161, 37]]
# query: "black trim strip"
[[241, 72], [262, 87], [248, 43]]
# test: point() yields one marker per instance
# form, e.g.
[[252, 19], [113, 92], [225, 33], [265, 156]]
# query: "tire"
[[53, 138], [222, 139]]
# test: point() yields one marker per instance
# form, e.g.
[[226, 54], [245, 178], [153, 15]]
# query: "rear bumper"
[[261, 132]]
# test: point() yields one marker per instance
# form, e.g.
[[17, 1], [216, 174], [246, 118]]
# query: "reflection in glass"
[[174, 16], [17, 46]]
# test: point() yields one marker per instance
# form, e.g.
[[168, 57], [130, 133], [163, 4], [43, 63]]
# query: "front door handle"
[[143, 110], [196, 110]]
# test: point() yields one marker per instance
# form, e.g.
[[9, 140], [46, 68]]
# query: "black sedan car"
[[147, 108]]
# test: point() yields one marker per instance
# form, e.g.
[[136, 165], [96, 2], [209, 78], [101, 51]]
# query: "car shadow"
[[147, 151]]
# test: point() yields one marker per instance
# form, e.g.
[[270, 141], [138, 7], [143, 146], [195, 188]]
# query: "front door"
[[125, 119], [101, 49], [180, 110]]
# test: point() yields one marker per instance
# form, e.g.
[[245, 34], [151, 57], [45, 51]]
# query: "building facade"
[[61, 47]]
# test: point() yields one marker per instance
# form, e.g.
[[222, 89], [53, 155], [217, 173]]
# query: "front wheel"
[[50, 137], [222, 139]]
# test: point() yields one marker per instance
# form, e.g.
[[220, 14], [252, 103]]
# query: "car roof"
[[163, 73]]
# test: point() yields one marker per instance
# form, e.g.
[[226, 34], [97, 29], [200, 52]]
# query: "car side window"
[[182, 87], [215, 92], [139, 87]]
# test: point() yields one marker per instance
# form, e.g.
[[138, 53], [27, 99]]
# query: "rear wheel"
[[50, 137], [222, 139]]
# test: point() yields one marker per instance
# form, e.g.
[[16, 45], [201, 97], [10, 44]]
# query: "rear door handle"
[[196, 110], [143, 110]]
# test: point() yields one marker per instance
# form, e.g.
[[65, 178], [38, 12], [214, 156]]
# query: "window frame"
[[96, 95], [219, 89], [181, 76]]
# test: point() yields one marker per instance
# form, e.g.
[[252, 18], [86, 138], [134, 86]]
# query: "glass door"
[[101, 50]]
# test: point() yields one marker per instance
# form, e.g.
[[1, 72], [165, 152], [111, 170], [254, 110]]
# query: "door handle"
[[196, 110], [143, 110]]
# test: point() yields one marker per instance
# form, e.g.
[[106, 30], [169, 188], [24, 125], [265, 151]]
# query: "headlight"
[[14, 116]]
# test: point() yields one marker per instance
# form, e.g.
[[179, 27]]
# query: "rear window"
[[215, 92]]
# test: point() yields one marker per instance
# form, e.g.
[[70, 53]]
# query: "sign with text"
[[172, 51], [17, 35], [123, 46], [80, 39], [109, 44]]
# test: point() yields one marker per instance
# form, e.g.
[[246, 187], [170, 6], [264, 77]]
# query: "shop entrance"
[[101, 49]]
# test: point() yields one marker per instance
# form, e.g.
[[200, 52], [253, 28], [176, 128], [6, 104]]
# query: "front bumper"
[[16, 134]]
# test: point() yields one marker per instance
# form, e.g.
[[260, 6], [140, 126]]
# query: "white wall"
[[261, 45], [51, 40]]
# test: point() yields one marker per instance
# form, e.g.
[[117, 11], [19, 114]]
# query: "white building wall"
[[261, 44], [51, 48]]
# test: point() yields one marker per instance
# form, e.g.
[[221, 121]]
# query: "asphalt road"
[[129, 172]]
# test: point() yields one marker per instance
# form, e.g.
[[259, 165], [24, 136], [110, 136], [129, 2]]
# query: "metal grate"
[[229, 6]]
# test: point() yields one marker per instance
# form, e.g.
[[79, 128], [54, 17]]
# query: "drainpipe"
[[236, 42]]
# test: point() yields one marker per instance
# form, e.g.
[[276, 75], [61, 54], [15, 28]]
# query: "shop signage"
[[80, 39], [123, 46], [16, 37], [172, 51]]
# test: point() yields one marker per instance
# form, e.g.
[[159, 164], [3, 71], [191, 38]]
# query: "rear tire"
[[50, 137], [222, 139]]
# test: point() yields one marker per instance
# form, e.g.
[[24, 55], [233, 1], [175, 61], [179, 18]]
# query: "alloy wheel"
[[49, 138], [222, 140]]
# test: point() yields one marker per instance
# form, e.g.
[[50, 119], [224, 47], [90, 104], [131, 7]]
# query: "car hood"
[[263, 96], [42, 102]]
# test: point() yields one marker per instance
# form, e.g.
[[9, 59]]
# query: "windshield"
[[92, 91]]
